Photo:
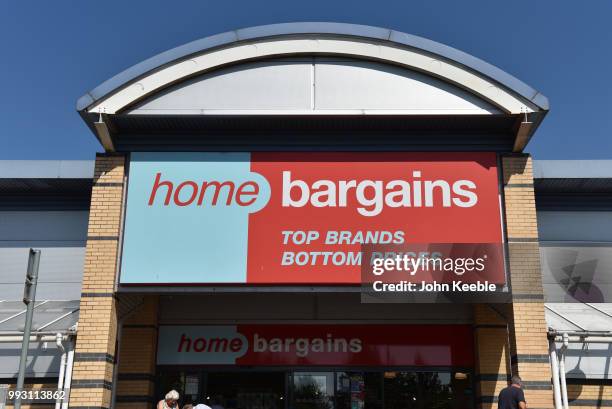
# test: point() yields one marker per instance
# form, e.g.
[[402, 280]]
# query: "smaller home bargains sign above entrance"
[[311, 345], [303, 218]]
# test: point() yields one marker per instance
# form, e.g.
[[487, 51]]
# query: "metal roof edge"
[[343, 29]]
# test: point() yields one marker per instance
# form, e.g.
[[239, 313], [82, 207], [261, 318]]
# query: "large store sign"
[[296, 345], [274, 218]]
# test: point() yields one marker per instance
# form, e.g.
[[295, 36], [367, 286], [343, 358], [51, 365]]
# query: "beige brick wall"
[[521, 347], [589, 396], [492, 354], [527, 337], [138, 345], [519, 197], [97, 327]]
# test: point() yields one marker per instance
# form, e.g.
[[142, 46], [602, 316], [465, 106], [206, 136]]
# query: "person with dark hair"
[[512, 397]]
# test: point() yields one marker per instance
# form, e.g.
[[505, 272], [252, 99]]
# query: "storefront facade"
[[243, 175], [45, 204]]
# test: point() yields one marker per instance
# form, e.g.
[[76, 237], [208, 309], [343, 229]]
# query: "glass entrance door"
[[187, 383], [245, 390], [312, 390]]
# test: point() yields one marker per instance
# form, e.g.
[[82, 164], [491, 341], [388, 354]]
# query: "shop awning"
[[50, 317], [580, 317], [588, 330]]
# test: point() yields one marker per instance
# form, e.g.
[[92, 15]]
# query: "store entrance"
[[320, 389]]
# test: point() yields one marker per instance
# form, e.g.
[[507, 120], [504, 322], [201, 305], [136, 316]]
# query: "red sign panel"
[[317, 345], [325, 206]]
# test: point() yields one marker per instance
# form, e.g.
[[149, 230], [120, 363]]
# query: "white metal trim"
[[313, 111]]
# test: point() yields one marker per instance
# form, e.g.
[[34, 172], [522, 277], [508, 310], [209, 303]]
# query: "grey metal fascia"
[[329, 28], [46, 169], [572, 169]]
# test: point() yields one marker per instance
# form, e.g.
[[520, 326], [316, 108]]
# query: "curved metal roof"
[[483, 68]]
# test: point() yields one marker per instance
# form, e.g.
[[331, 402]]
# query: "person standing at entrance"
[[170, 401], [512, 397]]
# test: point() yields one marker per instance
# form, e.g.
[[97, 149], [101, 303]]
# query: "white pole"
[[60, 378], [68, 381], [554, 363], [562, 371]]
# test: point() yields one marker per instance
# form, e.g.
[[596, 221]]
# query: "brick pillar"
[[137, 350], [528, 342], [97, 328], [492, 354]]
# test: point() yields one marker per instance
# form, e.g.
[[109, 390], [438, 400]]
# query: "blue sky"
[[55, 51]]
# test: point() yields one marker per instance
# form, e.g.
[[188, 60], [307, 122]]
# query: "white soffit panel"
[[374, 86], [273, 85], [313, 85]]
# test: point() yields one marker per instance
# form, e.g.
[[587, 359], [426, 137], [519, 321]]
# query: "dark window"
[[186, 383], [245, 390], [349, 389], [431, 390]]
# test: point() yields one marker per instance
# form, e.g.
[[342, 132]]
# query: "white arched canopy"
[[313, 68]]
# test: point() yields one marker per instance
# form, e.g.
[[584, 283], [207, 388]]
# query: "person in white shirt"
[[170, 401]]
